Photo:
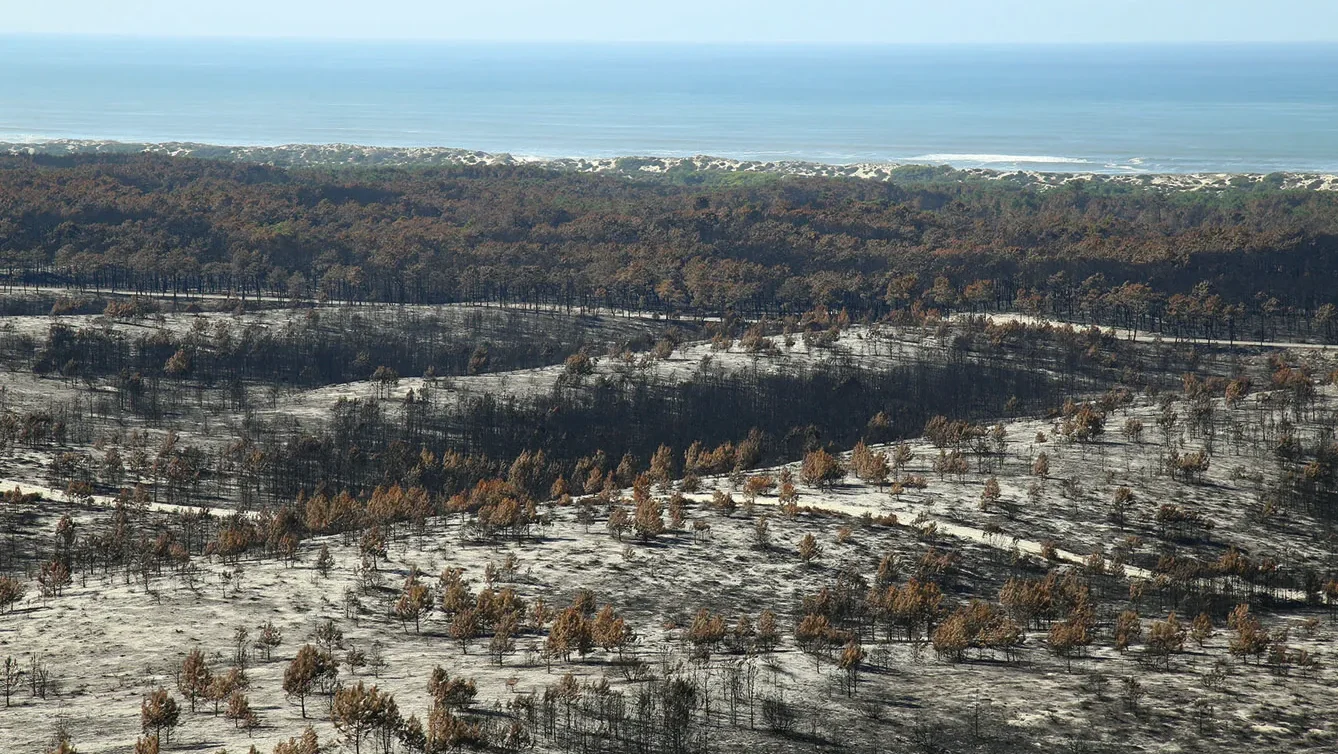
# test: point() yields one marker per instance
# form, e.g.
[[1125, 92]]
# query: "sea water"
[[1107, 108]]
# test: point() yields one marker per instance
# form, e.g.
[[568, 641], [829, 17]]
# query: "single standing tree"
[[309, 666], [1165, 638], [450, 693], [852, 658], [1201, 630], [502, 642], [358, 711], [62, 743], [11, 591], [270, 638], [324, 561], [570, 633], [989, 496], [415, 601], [821, 469], [1128, 629], [649, 520], [901, 456], [179, 365], [10, 678], [158, 713], [809, 549], [1041, 467], [768, 631], [307, 744], [662, 466], [1119, 508], [610, 631], [479, 360], [195, 678], [762, 533], [465, 626], [239, 710], [619, 522]]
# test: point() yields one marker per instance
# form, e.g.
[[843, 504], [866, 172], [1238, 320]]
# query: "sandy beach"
[[331, 155]]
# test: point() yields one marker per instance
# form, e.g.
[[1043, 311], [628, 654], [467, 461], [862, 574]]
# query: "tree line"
[[1228, 262]]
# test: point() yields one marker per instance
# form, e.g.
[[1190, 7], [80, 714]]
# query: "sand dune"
[[294, 155]]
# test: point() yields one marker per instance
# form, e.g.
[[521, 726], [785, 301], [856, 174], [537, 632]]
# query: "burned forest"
[[429, 460]]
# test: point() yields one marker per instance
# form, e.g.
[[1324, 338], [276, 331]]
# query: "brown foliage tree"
[[989, 496], [158, 714], [1165, 638], [768, 632], [1128, 629], [610, 632], [570, 633], [11, 591], [414, 602], [453, 693], [1201, 629], [358, 711], [194, 680], [868, 465], [1251, 640], [706, 633], [1041, 467], [821, 469], [308, 667], [649, 519], [307, 743], [809, 549]]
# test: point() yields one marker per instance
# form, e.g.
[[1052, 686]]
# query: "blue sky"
[[818, 21]]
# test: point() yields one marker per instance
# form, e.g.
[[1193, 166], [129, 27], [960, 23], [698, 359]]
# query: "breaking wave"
[[1000, 158]]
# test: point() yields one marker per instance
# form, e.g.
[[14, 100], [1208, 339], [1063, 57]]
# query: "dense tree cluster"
[[1212, 263]]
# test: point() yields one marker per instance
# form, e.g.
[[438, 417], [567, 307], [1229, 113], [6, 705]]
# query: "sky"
[[706, 21]]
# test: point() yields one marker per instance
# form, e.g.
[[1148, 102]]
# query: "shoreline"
[[352, 155]]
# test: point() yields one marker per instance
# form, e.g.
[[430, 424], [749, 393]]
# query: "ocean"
[[1110, 109]]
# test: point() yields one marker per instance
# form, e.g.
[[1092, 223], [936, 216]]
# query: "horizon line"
[[665, 42]]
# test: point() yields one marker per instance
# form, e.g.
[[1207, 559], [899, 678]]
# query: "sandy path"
[[1145, 337], [107, 501]]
